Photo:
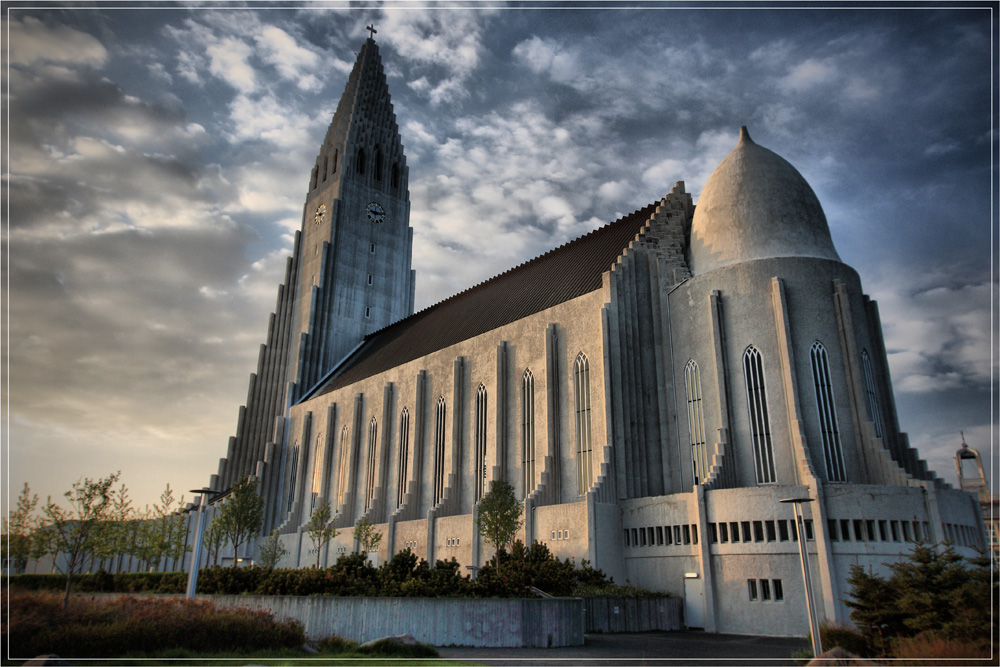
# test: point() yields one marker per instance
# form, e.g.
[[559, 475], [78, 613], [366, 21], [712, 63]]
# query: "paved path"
[[644, 648]]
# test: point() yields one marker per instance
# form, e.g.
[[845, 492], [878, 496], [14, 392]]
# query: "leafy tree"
[[318, 529], [272, 550], [242, 514], [366, 535], [75, 533], [214, 537], [499, 516], [19, 528]]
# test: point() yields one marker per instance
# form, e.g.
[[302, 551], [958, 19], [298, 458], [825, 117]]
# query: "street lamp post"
[[817, 646], [198, 538]]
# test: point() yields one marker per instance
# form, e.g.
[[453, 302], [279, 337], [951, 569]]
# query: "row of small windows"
[[330, 163], [760, 423], [659, 536], [765, 590], [560, 534], [772, 530], [453, 542]]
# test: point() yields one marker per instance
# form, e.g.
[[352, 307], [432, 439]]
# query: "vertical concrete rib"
[[457, 414], [552, 381], [500, 472]]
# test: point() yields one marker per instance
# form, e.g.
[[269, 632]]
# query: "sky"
[[157, 161]]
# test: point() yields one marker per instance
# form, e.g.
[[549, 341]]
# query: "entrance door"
[[694, 603]]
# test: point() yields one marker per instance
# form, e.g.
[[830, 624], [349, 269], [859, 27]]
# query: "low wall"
[[503, 623], [632, 614]]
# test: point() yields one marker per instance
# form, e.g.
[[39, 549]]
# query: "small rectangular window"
[[745, 529], [694, 533], [752, 589], [713, 533], [635, 537], [659, 535], [368, 312], [734, 531], [831, 527], [723, 532], [687, 534], [894, 525], [906, 530], [668, 534], [553, 534], [369, 279], [916, 531], [652, 540], [642, 536], [845, 530], [677, 534], [779, 594], [758, 531], [783, 530], [870, 528], [769, 527], [372, 248], [628, 542], [859, 534], [765, 589], [882, 526], [808, 530]]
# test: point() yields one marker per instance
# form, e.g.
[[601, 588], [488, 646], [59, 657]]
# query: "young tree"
[[242, 514], [19, 529], [366, 535], [75, 533], [214, 537], [499, 516], [318, 529], [272, 550]]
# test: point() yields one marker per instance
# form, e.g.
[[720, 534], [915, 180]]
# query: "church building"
[[652, 390]]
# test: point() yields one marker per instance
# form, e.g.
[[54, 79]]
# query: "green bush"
[[103, 582], [35, 623]]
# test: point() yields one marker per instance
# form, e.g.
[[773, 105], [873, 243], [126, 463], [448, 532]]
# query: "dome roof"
[[756, 205]]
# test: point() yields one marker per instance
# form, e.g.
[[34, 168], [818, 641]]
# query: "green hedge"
[[404, 575]]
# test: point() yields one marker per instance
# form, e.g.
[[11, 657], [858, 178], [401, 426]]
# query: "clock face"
[[320, 214], [375, 212]]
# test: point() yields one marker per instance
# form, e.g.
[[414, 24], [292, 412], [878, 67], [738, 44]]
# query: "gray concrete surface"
[[644, 648]]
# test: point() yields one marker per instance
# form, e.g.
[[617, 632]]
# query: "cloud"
[[228, 61], [808, 74], [32, 42], [292, 61]]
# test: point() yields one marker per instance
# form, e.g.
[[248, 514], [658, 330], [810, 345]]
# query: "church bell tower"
[[349, 274]]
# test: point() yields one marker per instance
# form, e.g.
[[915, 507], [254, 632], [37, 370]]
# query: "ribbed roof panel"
[[569, 271]]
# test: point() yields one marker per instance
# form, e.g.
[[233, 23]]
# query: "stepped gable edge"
[[566, 272]]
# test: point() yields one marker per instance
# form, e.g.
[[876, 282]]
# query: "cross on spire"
[[371, 30]]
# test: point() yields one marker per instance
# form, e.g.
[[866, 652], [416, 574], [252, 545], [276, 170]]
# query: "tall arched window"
[[378, 163], [528, 431], [404, 456], [317, 472], [871, 393], [345, 461], [293, 473], [370, 473], [359, 163], [336, 154], [760, 426], [696, 422], [832, 452], [480, 460], [584, 445], [439, 433], [394, 178], [314, 181], [326, 167]]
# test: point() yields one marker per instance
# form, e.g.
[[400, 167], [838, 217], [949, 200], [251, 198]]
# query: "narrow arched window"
[[314, 180], [293, 472], [345, 461], [359, 164], [760, 425], [833, 454], [584, 445], [336, 154], [317, 472], [696, 422], [480, 443], [404, 456], [370, 473], [395, 176], [871, 393], [528, 431], [378, 164], [326, 166], [439, 433]]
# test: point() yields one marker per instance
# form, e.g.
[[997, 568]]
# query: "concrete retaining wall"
[[435, 621], [632, 614]]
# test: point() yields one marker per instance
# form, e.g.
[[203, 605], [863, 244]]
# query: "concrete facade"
[[723, 359]]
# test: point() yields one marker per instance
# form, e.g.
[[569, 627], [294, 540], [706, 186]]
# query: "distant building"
[[977, 484]]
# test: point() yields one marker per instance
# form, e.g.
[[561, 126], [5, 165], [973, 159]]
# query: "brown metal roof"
[[569, 271]]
